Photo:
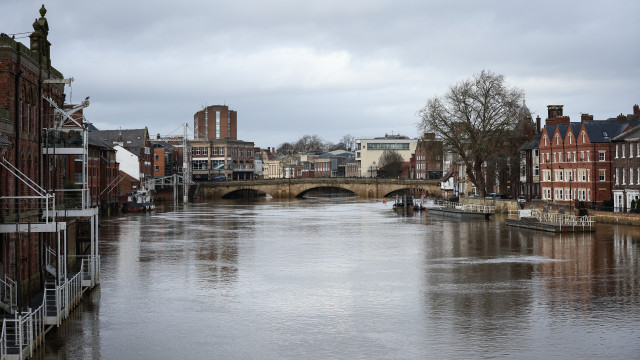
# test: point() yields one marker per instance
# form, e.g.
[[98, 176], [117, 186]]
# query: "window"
[[156, 157], [559, 157], [536, 152], [214, 151], [536, 170], [568, 157], [601, 156], [617, 177], [205, 151], [156, 168], [630, 175], [221, 151], [616, 151], [197, 151], [630, 150], [581, 155], [601, 175]]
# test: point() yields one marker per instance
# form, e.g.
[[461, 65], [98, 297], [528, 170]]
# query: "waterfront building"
[[626, 167], [215, 122], [216, 157], [428, 158], [52, 172], [576, 158], [136, 142], [529, 186], [369, 150]]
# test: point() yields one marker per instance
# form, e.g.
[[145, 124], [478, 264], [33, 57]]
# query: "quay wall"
[[606, 217], [502, 205]]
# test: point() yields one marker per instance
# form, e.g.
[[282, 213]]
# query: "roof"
[[531, 144], [337, 153], [131, 139], [599, 131], [604, 131], [95, 141]]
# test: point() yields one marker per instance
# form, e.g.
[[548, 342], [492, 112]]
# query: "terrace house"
[[575, 158]]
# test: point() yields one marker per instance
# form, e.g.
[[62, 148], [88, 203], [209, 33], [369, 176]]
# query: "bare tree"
[[347, 142], [310, 143], [285, 148], [473, 118], [390, 163]]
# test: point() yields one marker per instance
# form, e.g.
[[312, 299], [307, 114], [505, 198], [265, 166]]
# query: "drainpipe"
[[16, 156]]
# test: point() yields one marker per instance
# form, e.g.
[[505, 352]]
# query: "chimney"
[[586, 117], [538, 124], [554, 111], [158, 136], [622, 117], [636, 109], [563, 120]]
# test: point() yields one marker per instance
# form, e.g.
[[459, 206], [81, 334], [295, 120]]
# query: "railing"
[[554, 218], [3, 340], [74, 199], [8, 288], [23, 333], [51, 259], [89, 270], [473, 208]]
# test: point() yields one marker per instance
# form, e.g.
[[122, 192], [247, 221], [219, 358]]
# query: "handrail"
[[555, 218], [9, 284]]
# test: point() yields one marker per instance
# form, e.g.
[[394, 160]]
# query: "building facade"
[[230, 158], [369, 151], [428, 158], [576, 158], [626, 168], [215, 122]]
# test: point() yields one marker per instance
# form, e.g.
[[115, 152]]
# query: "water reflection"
[[351, 279]]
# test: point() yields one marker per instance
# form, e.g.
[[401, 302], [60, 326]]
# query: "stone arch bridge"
[[368, 188]]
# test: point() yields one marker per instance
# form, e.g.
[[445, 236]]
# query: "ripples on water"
[[351, 279]]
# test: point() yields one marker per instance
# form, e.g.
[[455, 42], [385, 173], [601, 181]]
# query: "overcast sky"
[[332, 67]]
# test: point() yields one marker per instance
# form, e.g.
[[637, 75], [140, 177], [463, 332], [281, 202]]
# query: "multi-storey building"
[[137, 142], [428, 158], [231, 158], [575, 158], [34, 149], [626, 167], [529, 186], [215, 122], [368, 151]]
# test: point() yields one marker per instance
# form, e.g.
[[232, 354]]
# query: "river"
[[351, 279]]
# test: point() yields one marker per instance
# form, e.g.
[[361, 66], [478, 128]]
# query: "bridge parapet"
[[290, 188]]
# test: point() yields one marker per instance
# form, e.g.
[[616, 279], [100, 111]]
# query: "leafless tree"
[[472, 119], [310, 143], [390, 163]]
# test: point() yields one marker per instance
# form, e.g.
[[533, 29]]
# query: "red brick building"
[[428, 158], [216, 122], [24, 72], [576, 158]]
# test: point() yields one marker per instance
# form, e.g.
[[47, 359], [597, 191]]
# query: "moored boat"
[[139, 200]]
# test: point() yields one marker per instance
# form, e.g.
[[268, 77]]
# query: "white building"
[[129, 162], [368, 151]]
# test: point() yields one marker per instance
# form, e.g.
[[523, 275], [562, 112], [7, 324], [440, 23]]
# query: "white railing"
[[473, 208], [9, 293], [22, 334], [3, 337], [89, 269], [554, 218]]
